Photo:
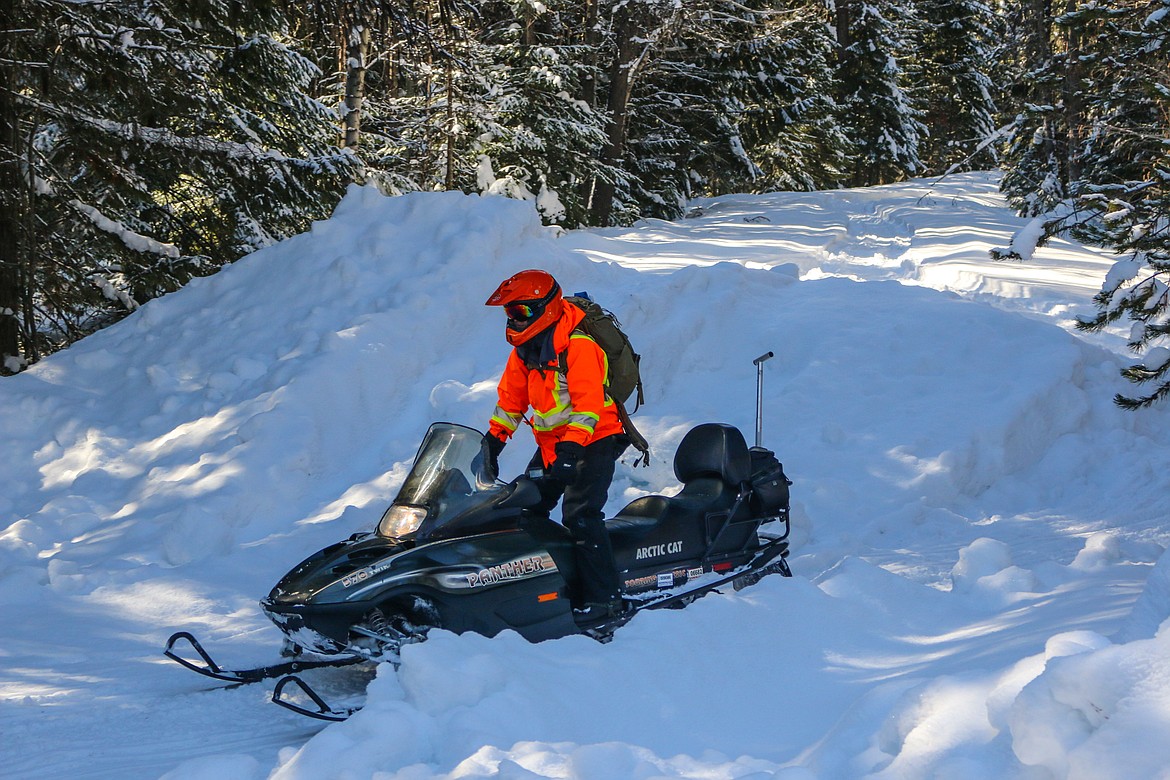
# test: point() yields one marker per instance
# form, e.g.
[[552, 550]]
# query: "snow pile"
[[1097, 711], [272, 373], [976, 526]]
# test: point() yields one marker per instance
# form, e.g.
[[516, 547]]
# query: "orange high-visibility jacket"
[[566, 406]]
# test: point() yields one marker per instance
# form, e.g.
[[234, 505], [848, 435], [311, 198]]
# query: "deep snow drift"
[[976, 526]]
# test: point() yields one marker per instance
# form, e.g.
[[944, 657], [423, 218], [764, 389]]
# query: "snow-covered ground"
[[977, 538]]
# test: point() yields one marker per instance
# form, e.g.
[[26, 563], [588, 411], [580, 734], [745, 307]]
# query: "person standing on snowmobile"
[[560, 373]]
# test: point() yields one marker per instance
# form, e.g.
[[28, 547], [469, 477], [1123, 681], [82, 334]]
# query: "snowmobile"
[[460, 550]]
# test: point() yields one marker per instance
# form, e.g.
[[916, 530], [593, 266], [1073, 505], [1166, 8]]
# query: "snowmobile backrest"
[[713, 450]]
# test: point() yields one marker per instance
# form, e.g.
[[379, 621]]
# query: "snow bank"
[[1097, 711], [270, 375]]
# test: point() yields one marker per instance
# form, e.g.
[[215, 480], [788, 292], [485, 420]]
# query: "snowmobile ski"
[[243, 676], [323, 711]]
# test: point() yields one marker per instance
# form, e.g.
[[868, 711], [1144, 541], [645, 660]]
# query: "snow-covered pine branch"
[[132, 240]]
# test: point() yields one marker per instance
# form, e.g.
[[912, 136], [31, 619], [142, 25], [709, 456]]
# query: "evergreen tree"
[[1042, 154], [534, 137], [602, 112], [779, 83], [881, 119], [420, 96], [954, 56], [738, 100], [634, 33], [156, 141], [1124, 199]]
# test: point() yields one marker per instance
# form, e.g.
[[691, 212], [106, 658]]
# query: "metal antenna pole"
[[759, 364]]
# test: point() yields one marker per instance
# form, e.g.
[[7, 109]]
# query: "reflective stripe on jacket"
[[566, 406]]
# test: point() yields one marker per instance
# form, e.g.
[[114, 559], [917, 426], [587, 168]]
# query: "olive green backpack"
[[624, 371]]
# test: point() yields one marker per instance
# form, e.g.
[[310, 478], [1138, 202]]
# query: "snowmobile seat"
[[640, 514], [712, 462]]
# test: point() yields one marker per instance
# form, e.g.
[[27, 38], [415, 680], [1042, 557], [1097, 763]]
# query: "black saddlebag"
[[769, 484]]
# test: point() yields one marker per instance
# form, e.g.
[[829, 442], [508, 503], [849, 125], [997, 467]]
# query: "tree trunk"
[[629, 45], [844, 13], [1038, 33], [356, 55], [449, 179], [592, 38], [10, 282], [1074, 104], [593, 43], [12, 196]]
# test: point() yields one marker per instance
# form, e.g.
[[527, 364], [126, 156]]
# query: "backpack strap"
[[636, 437], [641, 398], [563, 356], [563, 363]]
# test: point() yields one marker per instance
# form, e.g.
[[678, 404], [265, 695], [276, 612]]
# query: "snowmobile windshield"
[[447, 481]]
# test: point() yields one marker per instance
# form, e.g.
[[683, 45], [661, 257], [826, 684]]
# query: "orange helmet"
[[532, 301]]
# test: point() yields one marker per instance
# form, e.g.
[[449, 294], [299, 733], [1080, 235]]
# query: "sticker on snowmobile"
[[641, 583], [361, 575], [666, 580], [692, 573], [518, 569], [657, 550]]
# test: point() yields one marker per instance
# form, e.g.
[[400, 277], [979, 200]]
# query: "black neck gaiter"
[[538, 351]]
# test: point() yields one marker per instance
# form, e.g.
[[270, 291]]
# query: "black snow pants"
[[583, 514]]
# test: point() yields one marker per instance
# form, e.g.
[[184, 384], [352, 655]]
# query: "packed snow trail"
[[973, 517]]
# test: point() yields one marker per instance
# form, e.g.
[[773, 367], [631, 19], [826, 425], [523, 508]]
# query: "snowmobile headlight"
[[400, 521]]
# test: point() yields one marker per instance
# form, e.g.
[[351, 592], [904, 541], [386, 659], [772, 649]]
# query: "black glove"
[[487, 462], [565, 468]]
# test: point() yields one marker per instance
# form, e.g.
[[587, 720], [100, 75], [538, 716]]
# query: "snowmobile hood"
[[341, 565]]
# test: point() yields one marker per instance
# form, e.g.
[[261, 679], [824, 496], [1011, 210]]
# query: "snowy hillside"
[[977, 529]]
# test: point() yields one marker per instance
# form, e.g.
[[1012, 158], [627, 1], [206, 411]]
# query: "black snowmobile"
[[461, 551]]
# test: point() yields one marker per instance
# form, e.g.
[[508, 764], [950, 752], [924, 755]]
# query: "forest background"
[[147, 142]]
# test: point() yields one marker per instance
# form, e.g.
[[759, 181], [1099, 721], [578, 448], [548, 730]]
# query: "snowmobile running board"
[[764, 563], [242, 676]]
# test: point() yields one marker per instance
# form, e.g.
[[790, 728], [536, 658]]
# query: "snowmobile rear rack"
[[243, 676]]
